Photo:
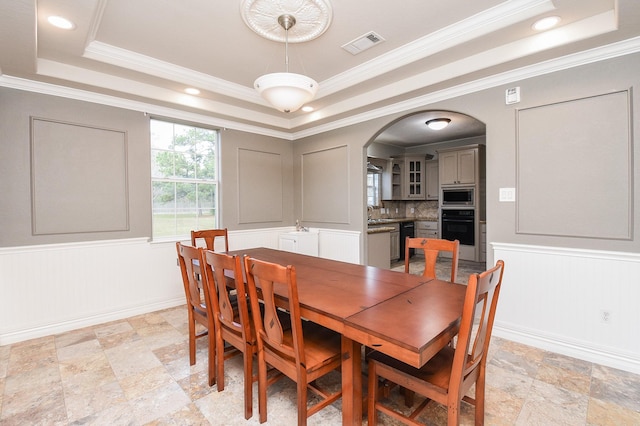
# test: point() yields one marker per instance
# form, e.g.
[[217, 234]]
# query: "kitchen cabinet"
[[379, 250], [426, 229], [395, 242], [458, 166], [414, 184], [301, 242], [393, 234], [433, 180], [392, 179], [483, 242], [405, 179]]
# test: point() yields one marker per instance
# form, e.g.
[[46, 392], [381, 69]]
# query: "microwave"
[[458, 197]]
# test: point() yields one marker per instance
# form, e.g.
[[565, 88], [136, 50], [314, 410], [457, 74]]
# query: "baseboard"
[[602, 356], [62, 327]]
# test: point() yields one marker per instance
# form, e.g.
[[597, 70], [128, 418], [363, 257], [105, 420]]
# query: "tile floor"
[[136, 372]]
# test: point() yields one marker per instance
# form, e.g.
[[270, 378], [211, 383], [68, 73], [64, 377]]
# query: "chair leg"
[[302, 402], [220, 363], [212, 359], [262, 388], [192, 341], [453, 413], [479, 412], [372, 395], [248, 383]]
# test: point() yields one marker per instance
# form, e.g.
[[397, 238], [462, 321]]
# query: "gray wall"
[[16, 110], [488, 106], [235, 145]]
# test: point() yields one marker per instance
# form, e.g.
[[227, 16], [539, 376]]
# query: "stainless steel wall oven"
[[459, 224]]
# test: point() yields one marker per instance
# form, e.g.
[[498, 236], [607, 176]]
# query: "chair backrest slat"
[[432, 248], [209, 236], [266, 276], [219, 270]]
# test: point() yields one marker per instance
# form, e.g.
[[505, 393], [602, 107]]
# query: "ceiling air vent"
[[363, 42]]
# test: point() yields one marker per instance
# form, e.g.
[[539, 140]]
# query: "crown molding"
[[114, 101], [127, 59], [623, 48], [483, 23]]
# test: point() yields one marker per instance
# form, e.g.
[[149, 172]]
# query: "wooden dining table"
[[409, 317]]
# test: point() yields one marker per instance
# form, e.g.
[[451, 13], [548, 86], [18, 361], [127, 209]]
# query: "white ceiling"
[[148, 51]]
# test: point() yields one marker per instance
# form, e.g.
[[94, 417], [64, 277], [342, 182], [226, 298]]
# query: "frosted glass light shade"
[[286, 91]]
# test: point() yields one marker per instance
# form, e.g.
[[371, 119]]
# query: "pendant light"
[[286, 91]]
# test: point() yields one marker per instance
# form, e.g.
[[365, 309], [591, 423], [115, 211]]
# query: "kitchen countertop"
[[402, 219], [379, 229]]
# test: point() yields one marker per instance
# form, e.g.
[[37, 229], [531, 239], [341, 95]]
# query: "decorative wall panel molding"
[[78, 178], [575, 168]]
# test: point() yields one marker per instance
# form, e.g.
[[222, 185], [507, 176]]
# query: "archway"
[[398, 193]]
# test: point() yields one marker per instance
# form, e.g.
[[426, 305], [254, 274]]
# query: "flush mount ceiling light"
[[546, 23], [60, 22], [438, 123], [287, 91]]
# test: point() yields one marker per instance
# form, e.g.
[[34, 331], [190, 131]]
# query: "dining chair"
[[209, 236], [432, 248], [199, 311], [447, 376], [302, 353], [231, 317]]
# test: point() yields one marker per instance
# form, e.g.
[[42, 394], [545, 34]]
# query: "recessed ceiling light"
[[192, 91], [60, 22], [438, 123], [307, 108], [546, 23]]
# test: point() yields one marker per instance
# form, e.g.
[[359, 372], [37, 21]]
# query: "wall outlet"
[[413, 210], [605, 316]]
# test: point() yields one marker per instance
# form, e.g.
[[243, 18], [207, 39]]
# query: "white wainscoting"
[[50, 289], [555, 299]]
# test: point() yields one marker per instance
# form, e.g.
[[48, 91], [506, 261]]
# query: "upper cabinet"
[[431, 170], [458, 166], [414, 188], [405, 179]]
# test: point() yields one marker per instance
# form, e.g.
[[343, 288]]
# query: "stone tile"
[[4, 360], [44, 405], [81, 402], [567, 379], [136, 371], [158, 403], [86, 347], [501, 407], [92, 369], [30, 355], [505, 379], [146, 381], [514, 362], [549, 405], [131, 358], [567, 363], [118, 414], [616, 386], [74, 337], [185, 416], [605, 413]]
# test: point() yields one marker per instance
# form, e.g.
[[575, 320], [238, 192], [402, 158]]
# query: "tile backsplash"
[[425, 210]]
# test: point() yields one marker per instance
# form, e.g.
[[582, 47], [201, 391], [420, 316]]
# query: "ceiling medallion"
[[313, 17]]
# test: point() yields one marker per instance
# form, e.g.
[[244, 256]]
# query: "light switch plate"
[[507, 194]]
